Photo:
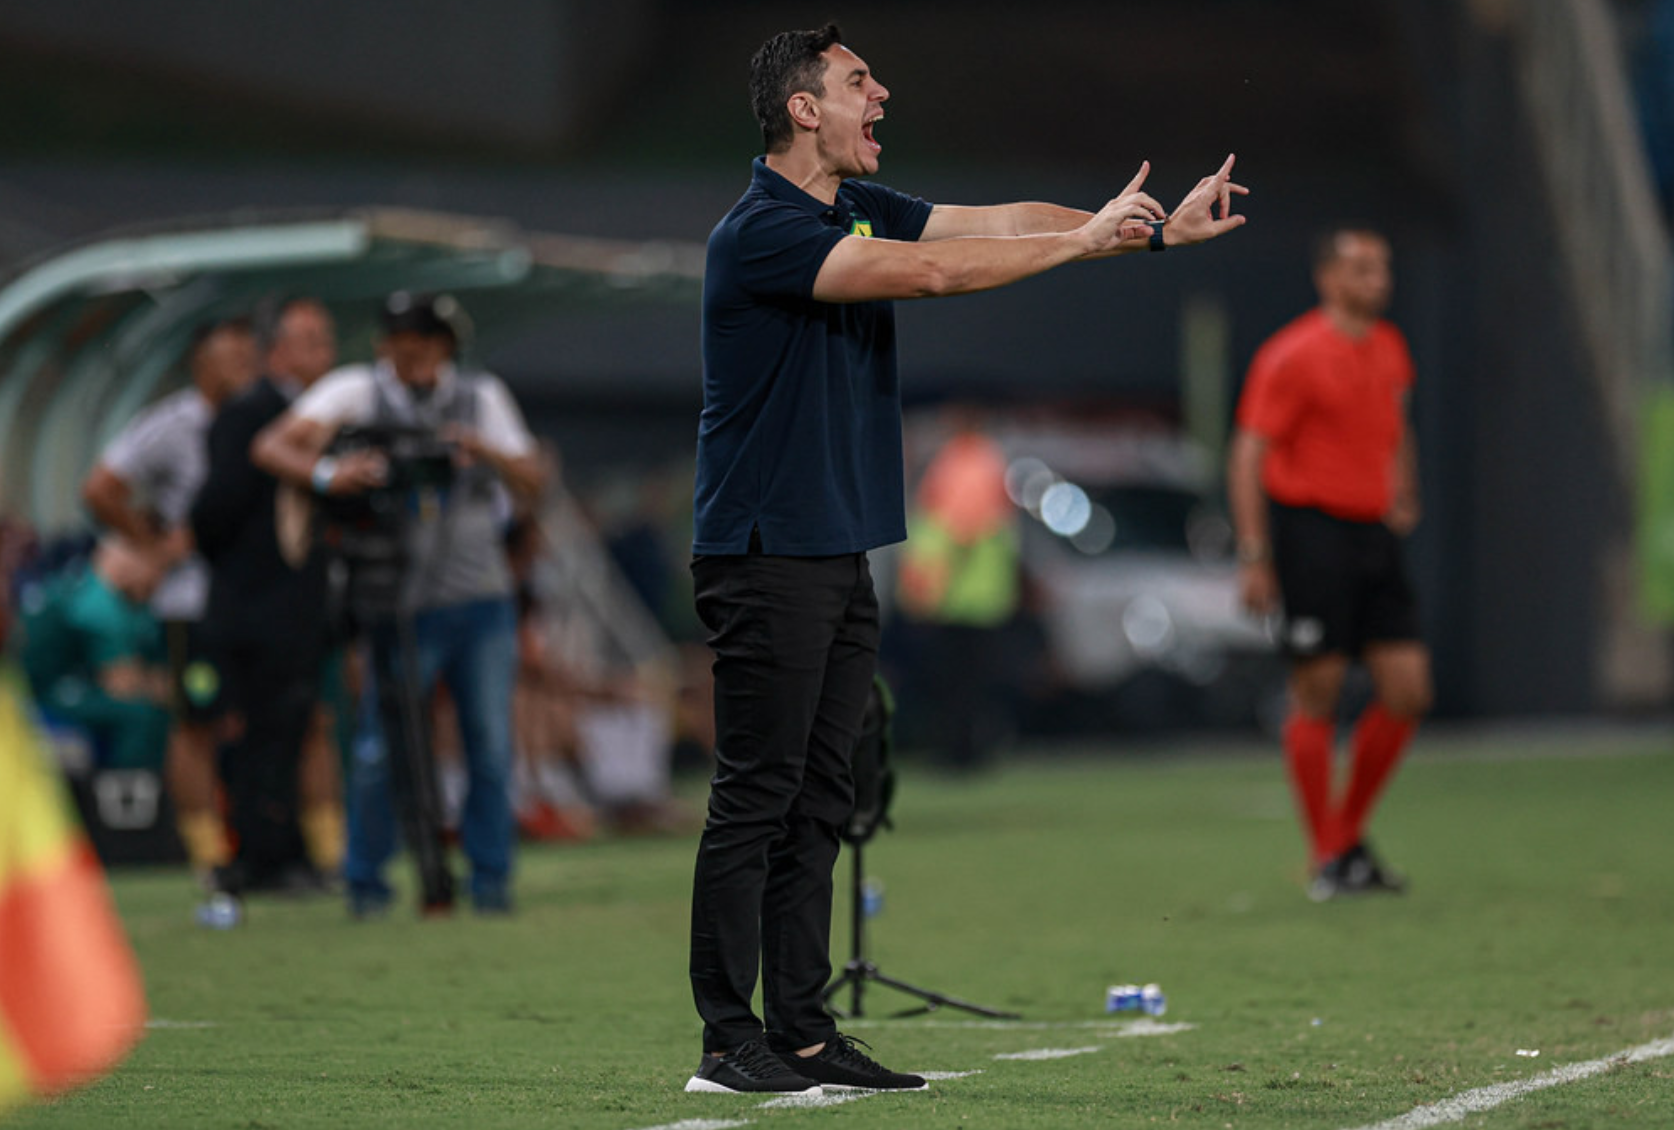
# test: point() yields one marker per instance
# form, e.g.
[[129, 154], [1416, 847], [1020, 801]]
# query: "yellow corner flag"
[[71, 1005]]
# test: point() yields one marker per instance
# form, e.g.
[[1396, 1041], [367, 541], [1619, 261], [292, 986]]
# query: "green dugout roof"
[[95, 331]]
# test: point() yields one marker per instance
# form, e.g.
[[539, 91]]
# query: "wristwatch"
[[1157, 243], [325, 469]]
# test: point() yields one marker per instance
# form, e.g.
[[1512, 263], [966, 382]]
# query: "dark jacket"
[[254, 594]]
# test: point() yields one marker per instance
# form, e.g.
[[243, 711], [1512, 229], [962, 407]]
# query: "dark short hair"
[[1325, 243], [272, 311], [787, 64], [431, 315], [203, 331]]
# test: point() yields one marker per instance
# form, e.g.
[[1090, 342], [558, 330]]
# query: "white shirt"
[[457, 554], [348, 396], [163, 456]]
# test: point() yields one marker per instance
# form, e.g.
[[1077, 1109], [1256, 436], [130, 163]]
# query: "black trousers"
[[795, 642], [274, 684]]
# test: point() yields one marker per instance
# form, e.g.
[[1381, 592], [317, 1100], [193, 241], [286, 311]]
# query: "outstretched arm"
[[963, 249], [866, 270], [1212, 195], [959, 221]]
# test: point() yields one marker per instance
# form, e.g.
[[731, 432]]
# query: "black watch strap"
[[1157, 243]]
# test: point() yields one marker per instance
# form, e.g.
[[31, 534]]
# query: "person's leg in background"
[[1399, 665], [371, 832], [1401, 684], [320, 793], [1310, 738], [190, 768], [475, 650], [277, 691]]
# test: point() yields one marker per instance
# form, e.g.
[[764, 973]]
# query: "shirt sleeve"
[[1272, 399], [898, 215], [341, 397], [781, 250], [142, 451], [499, 419]]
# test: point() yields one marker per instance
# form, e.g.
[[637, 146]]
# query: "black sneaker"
[[750, 1068], [842, 1066], [1366, 872]]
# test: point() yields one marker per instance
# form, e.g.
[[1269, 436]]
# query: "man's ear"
[[804, 110]]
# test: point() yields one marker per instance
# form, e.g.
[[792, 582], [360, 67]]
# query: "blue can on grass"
[[220, 912], [1147, 999]]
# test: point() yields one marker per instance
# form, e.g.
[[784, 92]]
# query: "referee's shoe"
[[842, 1066]]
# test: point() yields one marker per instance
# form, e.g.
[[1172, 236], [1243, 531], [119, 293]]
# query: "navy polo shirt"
[[801, 430]]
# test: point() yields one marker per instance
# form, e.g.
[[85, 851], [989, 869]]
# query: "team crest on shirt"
[[858, 226], [202, 682]]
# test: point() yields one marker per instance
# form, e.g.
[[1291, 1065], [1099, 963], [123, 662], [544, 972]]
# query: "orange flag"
[[71, 1005]]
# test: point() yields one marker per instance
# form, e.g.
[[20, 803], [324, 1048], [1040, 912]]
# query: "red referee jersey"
[[1330, 407]]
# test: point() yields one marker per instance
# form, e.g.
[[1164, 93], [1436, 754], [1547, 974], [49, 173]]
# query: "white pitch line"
[[1152, 1028], [1144, 1026], [1466, 1103], [1048, 1053], [159, 1023], [830, 1098]]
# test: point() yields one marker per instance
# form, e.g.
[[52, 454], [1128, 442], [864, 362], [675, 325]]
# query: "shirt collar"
[[447, 380], [779, 188]]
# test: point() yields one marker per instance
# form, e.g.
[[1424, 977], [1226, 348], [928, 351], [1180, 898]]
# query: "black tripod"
[[860, 970], [374, 546], [874, 787], [412, 765]]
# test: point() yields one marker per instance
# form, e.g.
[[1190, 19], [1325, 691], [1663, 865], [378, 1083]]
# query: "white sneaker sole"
[[695, 1086]]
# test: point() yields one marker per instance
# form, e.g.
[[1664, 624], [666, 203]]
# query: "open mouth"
[[866, 132]]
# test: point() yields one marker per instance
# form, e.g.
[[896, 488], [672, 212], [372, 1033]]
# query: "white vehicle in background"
[[1135, 589]]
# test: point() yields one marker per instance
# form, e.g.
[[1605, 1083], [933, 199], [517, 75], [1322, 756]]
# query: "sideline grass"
[[1541, 918]]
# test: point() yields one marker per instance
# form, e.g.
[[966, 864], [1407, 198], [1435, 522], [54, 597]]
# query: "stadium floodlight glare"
[[1066, 509]]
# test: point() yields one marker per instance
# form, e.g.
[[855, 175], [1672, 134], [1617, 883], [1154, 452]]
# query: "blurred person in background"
[[94, 657], [548, 795], [142, 488], [959, 585], [799, 474], [267, 630], [458, 586], [1323, 486]]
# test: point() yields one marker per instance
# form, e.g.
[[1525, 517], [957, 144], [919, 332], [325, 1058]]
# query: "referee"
[[1323, 485]]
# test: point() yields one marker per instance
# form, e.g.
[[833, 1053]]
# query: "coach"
[[799, 473]]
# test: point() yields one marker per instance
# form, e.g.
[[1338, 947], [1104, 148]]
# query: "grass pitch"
[[1541, 919]]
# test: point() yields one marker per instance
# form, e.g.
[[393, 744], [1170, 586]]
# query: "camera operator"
[[455, 585]]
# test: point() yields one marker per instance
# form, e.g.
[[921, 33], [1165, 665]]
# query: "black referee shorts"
[[1344, 583]]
